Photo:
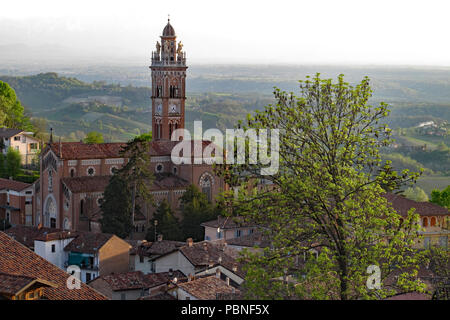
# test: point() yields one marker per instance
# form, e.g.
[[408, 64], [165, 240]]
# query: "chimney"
[[228, 281], [189, 242], [170, 272], [217, 273], [234, 268]]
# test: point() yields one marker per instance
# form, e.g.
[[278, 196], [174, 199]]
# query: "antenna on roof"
[[60, 150]]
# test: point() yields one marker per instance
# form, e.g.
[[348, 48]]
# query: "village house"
[[94, 253], [434, 219], [202, 258], [142, 256], [16, 202], [24, 142], [24, 275], [227, 228], [97, 254], [134, 284], [210, 287]]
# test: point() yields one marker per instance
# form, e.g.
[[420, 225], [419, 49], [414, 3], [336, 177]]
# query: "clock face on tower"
[[173, 108]]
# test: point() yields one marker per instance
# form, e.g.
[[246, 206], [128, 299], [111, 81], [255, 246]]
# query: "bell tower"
[[168, 85]]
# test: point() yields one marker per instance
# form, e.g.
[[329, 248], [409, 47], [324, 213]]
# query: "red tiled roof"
[[410, 296], [11, 284], [88, 242], [207, 288], [59, 235], [13, 185], [164, 147], [148, 249], [210, 254], [16, 259], [169, 181], [27, 234], [80, 150], [402, 206], [160, 278], [159, 296], [136, 280], [87, 184]]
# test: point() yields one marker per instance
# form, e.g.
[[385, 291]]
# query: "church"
[[74, 175]]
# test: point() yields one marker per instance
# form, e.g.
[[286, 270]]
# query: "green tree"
[[441, 198], [167, 224], [326, 195], [195, 209], [147, 136], [116, 208], [416, 194], [11, 110], [94, 137], [136, 172], [13, 163]]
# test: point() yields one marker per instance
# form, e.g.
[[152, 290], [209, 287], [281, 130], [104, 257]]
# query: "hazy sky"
[[237, 31]]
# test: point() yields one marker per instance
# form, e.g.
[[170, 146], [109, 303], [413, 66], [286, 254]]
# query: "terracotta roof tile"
[[207, 288], [80, 150], [159, 296], [87, 184], [27, 234], [148, 249], [13, 185], [10, 284], [160, 278], [402, 206], [88, 242], [16, 259], [136, 280], [211, 254]]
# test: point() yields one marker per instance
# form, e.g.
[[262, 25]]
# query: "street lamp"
[[155, 224]]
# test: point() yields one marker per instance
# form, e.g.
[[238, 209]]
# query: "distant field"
[[428, 183]]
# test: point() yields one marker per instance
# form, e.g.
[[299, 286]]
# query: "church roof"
[[168, 31], [87, 184], [13, 185], [168, 181], [164, 147], [81, 150]]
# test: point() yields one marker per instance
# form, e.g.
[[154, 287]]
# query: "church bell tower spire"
[[168, 85]]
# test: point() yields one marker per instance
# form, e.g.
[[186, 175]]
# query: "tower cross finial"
[[168, 18]]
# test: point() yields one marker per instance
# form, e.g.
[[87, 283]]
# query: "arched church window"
[[425, 222], [50, 213], [206, 182]]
